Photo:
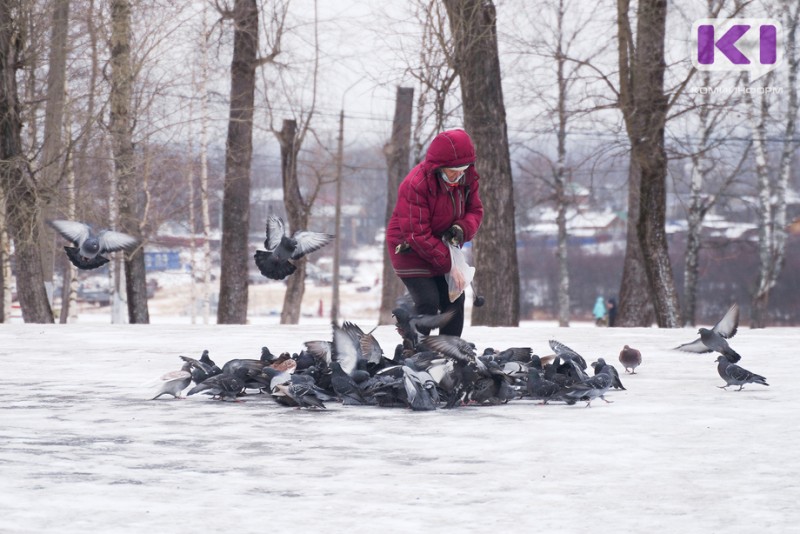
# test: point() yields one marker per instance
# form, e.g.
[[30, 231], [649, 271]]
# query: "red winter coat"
[[426, 207]]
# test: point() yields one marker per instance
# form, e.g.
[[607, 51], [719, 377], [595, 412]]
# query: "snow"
[[83, 449]]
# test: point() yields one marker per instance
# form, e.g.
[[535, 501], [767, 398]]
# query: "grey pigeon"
[[630, 359], [714, 339], [600, 365], [451, 346], [591, 388], [412, 326], [90, 246], [538, 388], [175, 382], [733, 375], [274, 262]]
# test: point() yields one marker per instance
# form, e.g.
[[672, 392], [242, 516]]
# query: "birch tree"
[[772, 219]]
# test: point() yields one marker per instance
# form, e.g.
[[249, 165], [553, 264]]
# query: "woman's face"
[[452, 176]]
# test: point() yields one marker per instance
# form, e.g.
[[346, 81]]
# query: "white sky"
[[82, 449]]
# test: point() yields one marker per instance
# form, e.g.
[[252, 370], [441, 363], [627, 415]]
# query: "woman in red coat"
[[438, 199]]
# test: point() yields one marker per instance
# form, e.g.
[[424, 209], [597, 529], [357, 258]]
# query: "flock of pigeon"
[[427, 372], [274, 262], [423, 373]]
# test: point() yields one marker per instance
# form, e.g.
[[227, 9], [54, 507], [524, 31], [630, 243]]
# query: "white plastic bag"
[[460, 275]]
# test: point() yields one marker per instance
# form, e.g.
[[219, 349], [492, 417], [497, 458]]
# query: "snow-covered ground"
[[83, 449]]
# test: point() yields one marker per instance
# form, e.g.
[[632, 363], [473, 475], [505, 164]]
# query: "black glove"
[[454, 235]]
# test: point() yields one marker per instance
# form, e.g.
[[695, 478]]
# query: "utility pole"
[[338, 222]]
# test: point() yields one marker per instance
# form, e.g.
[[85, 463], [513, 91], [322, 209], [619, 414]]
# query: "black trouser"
[[431, 297]]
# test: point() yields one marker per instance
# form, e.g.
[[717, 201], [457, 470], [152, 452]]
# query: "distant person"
[[611, 309], [437, 201], [600, 311]]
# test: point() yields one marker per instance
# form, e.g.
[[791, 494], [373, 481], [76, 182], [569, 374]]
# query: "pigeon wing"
[[111, 241], [308, 242], [696, 346], [567, 353], [74, 231], [729, 324], [275, 232], [434, 321], [345, 350], [451, 346]]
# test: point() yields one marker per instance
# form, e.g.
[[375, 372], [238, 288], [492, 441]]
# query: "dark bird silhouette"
[[630, 359], [89, 247], [175, 382], [413, 326], [275, 262], [202, 368], [715, 339], [733, 375], [222, 386], [600, 365], [346, 387], [538, 388]]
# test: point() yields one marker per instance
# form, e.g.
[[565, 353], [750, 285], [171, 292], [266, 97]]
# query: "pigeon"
[[538, 388], [600, 365], [714, 339], [412, 326], [733, 375], [174, 382], [202, 368], [280, 248], [222, 386], [591, 388], [630, 359], [90, 246]]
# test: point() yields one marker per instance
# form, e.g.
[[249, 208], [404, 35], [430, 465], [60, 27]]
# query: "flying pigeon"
[[280, 248], [715, 338], [630, 359], [733, 375], [90, 246]]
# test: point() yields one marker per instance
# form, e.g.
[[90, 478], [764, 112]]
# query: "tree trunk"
[[474, 27], [234, 251], [560, 178], [397, 152], [644, 107], [20, 192], [297, 215], [122, 139], [52, 148], [635, 305]]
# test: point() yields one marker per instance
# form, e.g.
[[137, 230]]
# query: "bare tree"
[[22, 202], [644, 107], [239, 149], [473, 25], [121, 125], [772, 219]]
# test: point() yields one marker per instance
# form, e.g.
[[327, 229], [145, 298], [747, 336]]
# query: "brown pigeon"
[[630, 359]]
